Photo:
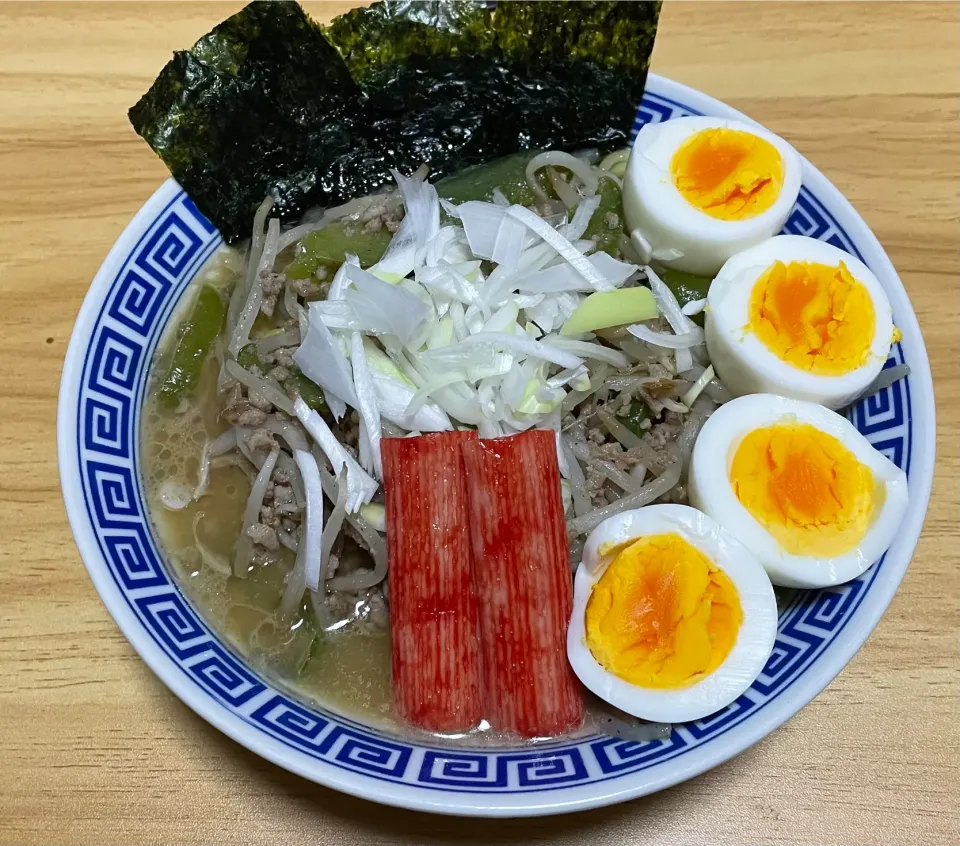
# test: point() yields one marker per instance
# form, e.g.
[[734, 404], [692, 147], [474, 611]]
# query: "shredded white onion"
[[340, 279], [311, 530], [289, 466], [587, 349], [523, 345], [401, 311], [682, 341], [564, 248], [581, 218], [668, 305], [367, 405], [419, 399], [696, 389], [683, 359], [361, 487], [420, 224]]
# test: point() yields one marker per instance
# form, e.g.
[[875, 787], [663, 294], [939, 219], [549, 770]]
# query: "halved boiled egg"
[[698, 190], [798, 317], [799, 486], [672, 617]]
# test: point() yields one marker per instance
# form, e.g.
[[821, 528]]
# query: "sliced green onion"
[[604, 309]]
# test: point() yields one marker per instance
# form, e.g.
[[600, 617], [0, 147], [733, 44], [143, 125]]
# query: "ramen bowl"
[[123, 317]]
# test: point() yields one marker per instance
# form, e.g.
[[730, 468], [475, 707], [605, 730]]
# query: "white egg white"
[[746, 365], [754, 639], [679, 234], [710, 489]]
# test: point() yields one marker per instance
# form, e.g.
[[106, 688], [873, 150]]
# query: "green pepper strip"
[[329, 245], [607, 237], [197, 334], [634, 416], [687, 288]]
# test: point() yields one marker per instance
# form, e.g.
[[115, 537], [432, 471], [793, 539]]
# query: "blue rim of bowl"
[[134, 295]]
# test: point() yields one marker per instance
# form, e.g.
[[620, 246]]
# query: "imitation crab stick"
[[522, 578], [433, 607]]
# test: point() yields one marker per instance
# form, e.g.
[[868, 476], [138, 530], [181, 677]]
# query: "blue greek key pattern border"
[[141, 298]]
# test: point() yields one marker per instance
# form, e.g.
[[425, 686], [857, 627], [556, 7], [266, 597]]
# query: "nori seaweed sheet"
[[271, 102]]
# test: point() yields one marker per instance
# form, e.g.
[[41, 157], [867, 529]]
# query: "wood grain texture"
[[93, 748]]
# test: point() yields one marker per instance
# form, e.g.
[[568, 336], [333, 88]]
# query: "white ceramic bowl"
[[101, 397]]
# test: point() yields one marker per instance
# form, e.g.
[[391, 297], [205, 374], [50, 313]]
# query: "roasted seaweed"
[[526, 35], [270, 102]]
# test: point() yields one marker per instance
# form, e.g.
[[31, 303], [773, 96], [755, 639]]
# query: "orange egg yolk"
[[816, 317], [662, 615], [806, 488], [728, 174]]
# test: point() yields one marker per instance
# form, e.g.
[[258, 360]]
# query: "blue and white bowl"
[[101, 401]]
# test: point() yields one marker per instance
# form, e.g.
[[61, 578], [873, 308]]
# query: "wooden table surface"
[[94, 749]]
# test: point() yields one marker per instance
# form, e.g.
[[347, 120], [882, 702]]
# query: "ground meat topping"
[[307, 287], [243, 413], [263, 535], [272, 285]]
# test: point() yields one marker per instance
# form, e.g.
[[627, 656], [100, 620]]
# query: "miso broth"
[[347, 670]]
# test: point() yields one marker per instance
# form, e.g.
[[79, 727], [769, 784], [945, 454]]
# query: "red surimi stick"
[[433, 607], [522, 577]]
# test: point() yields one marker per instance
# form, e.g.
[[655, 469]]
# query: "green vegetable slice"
[[478, 182], [196, 336], [310, 392], [604, 309], [330, 244], [635, 416], [687, 288], [606, 225], [248, 356]]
